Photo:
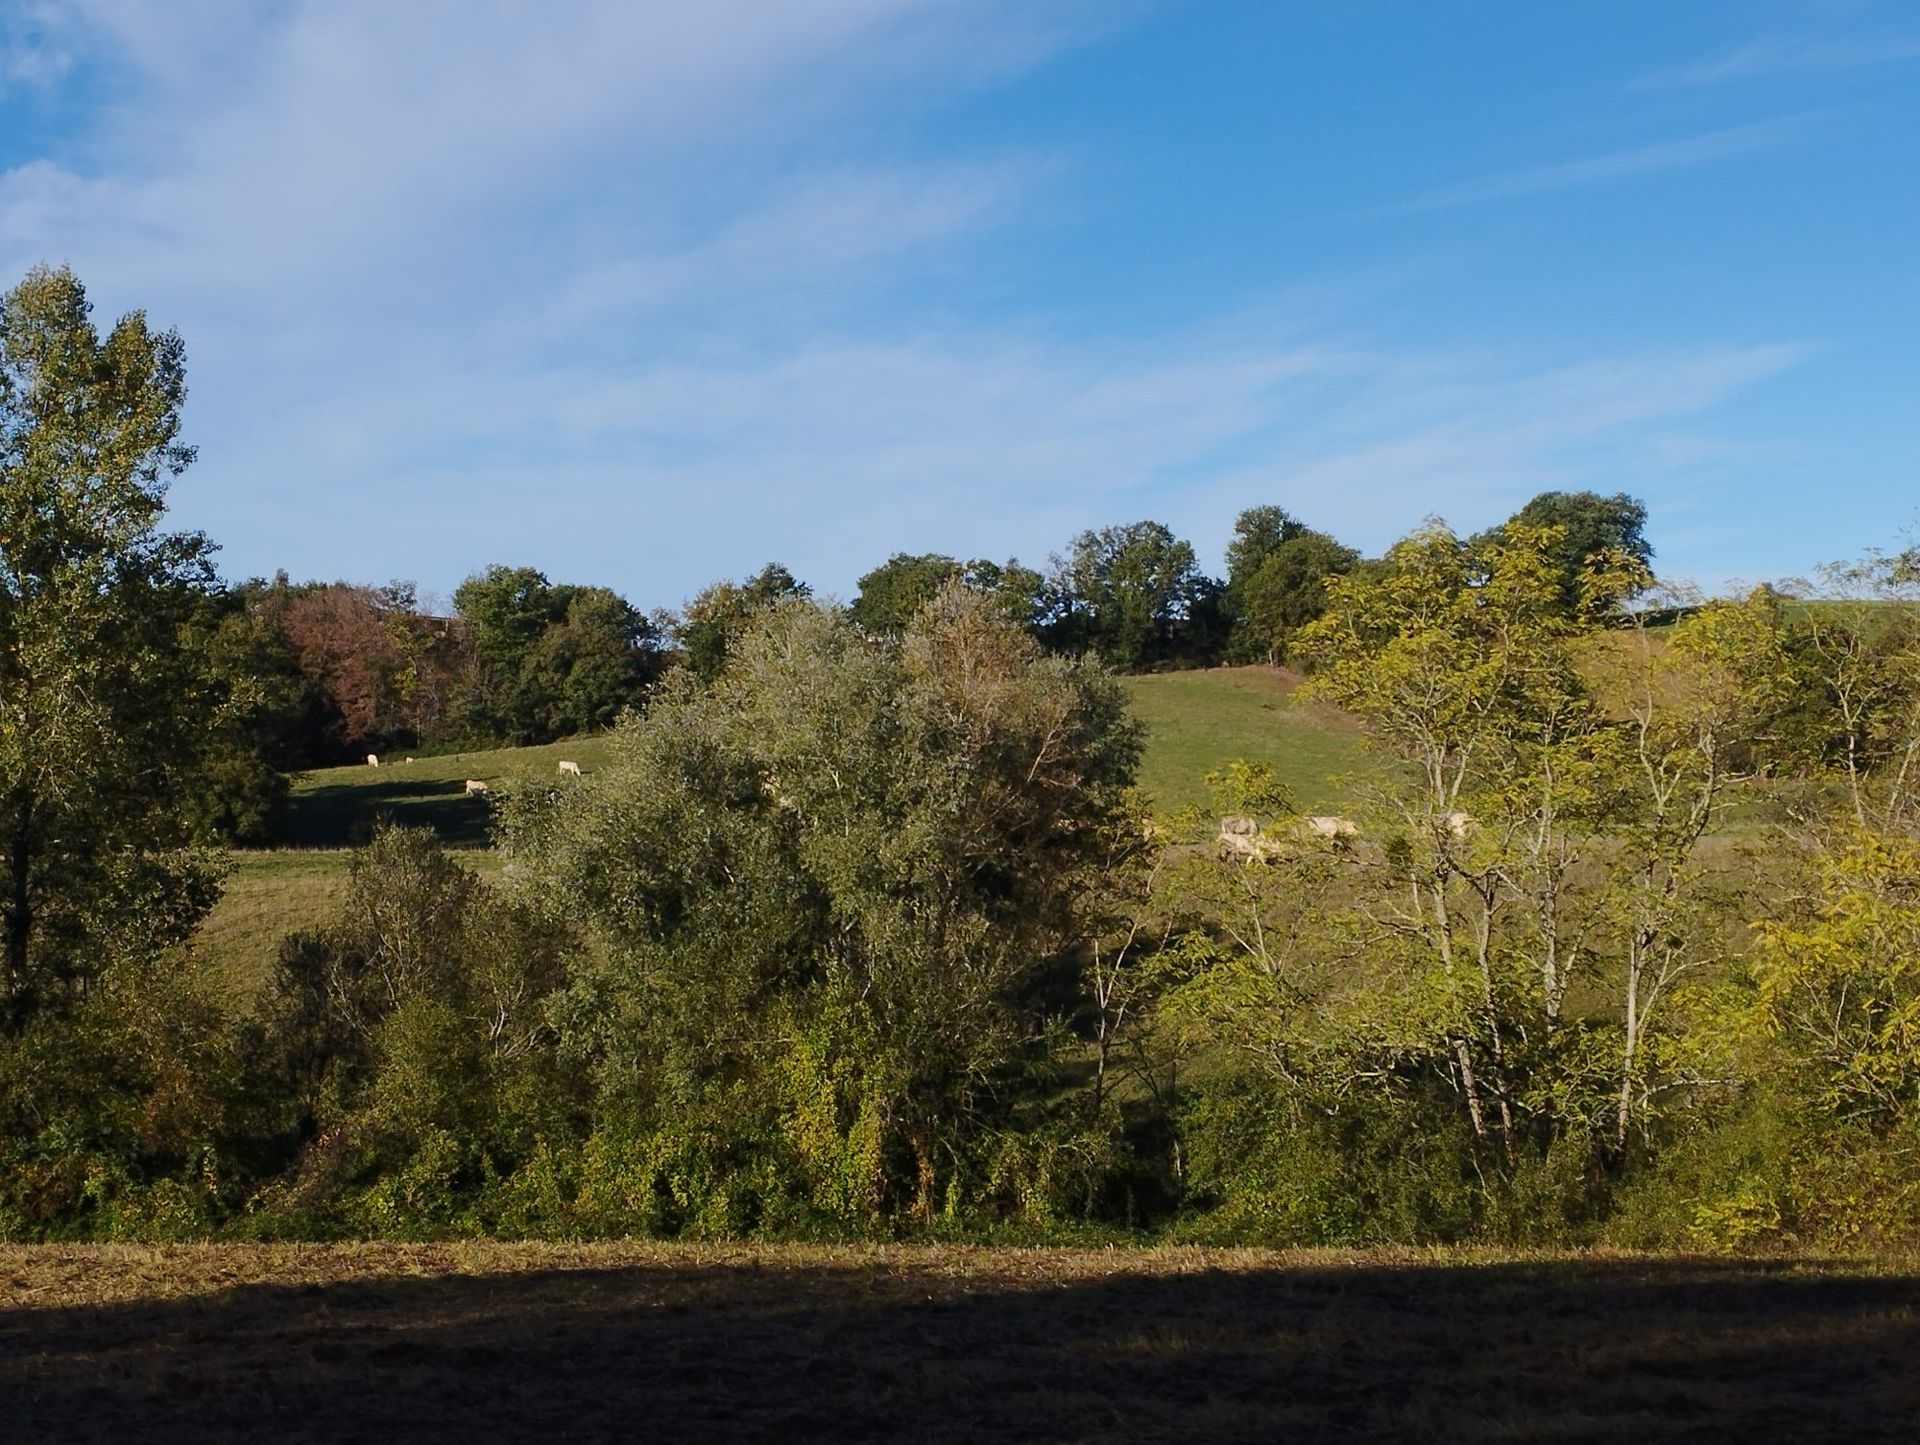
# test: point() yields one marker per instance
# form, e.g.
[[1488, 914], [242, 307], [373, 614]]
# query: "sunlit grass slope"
[[337, 807], [1198, 721], [274, 892]]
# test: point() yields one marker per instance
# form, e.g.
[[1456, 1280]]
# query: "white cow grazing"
[[373, 760], [1458, 824], [1334, 829], [570, 768], [1240, 837], [476, 788]]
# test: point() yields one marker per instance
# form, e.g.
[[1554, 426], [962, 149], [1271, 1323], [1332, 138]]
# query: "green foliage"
[[1840, 987], [825, 896], [863, 927], [1277, 571], [1250, 788], [893, 592], [1136, 596], [1020, 595], [252, 732], [1471, 922], [1258, 533], [551, 660], [113, 1110], [1265, 1171], [1853, 706], [713, 623], [405, 1061], [102, 715], [1591, 529]]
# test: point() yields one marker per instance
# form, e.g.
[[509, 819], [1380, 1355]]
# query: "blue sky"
[[649, 294]]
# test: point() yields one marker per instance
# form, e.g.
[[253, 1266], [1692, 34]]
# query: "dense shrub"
[[405, 1053]]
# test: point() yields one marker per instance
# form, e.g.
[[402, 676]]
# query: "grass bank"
[[1196, 722]]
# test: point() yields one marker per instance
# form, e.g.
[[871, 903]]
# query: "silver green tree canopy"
[[100, 719]]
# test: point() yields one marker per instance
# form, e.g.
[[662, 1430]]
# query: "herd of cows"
[[1242, 837], [478, 787]]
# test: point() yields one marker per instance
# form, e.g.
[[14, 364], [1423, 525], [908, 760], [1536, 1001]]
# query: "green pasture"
[[277, 891], [1196, 722], [337, 807]]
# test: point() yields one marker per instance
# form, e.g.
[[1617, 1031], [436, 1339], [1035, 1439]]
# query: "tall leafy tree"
[[709, 626], [1258, 533], [255, 731], [829, 897], [1277, 571], [1020, 594], [595, 660], [551, 660], [101, 717], [893, 592], [1594, 531], [1460, 661], [507, 609], [899, 587], [377, 670], [1134, 594]]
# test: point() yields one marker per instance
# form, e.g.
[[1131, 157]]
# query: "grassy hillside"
[[336, 807], [268, 896], [273, 892], [1196, 722]]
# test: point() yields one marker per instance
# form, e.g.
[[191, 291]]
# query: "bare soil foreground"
[[651, 1342]]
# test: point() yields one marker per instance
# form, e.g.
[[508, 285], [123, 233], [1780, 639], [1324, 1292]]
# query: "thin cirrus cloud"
[[834, 453], [591, 288], [333, 137], [1681, 153], [837, 226], [1779, 55]]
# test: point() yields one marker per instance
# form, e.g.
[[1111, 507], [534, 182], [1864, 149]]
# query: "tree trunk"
[[17, 919], [924, 1176], [1630, 1054], [1470, 1087]]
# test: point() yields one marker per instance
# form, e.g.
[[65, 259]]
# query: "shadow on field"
[[1582, 1351], [343, 815]]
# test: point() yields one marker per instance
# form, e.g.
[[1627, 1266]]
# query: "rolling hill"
[[1196, 722]]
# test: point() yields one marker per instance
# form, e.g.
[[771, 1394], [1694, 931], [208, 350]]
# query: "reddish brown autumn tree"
[[386, 672]]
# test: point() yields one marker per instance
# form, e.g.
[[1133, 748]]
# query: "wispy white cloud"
[[1680, 153], [831, 453], [388, 232], [841, 226], [585, 285], [1778, 55], [321, 139], [32, 55]]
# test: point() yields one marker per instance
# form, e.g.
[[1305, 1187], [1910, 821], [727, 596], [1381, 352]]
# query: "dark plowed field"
[[655, 1343]]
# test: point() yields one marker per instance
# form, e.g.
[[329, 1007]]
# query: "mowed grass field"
[[660, 1341], [336, 807], [273, 892], [1199, 721], [1196, 722]]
